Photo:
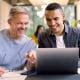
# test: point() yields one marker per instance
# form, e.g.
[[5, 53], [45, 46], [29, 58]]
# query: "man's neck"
[[61, 32]]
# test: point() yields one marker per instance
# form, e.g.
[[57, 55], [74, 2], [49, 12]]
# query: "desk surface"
[[17, 76], [54, 77]]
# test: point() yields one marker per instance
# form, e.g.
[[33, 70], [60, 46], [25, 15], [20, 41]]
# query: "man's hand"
[[32, 60], [2, 71]]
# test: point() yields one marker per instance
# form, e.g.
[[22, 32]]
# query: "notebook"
[[57, 60]]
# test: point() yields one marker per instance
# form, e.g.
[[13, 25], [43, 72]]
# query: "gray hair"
[[17, 10]]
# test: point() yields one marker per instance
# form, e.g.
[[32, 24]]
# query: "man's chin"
[[54, 30], [20, 35]]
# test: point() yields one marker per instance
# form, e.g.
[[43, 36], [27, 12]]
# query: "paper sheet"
[[12, 76]]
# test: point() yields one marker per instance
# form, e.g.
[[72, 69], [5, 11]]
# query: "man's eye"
[[48, 19], [56, 19], [18, 23], [26, 23]]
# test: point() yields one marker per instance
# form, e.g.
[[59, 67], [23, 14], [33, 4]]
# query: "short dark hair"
[[54, 6]]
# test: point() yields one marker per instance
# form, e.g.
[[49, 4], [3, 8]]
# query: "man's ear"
[[9, 21], [64, 19]]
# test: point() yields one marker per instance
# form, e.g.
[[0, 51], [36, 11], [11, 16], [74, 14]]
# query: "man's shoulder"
[[73, 33], [3, 31], [75, 30], [72, 29], [3, 36]]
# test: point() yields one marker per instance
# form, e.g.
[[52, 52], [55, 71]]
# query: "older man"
[[14, 44]]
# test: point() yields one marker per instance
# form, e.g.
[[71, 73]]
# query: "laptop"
[[57, 60]]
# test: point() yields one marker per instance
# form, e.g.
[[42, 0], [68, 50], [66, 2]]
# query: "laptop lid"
[[57, 60]]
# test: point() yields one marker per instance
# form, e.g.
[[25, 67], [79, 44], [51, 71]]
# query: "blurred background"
[[36, 8]]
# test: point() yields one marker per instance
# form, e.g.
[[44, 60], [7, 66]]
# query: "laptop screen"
[[57, 60]]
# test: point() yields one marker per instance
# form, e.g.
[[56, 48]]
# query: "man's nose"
[[24, 26], [53, 22]]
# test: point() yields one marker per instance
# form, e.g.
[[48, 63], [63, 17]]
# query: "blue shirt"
[[12, 52]]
